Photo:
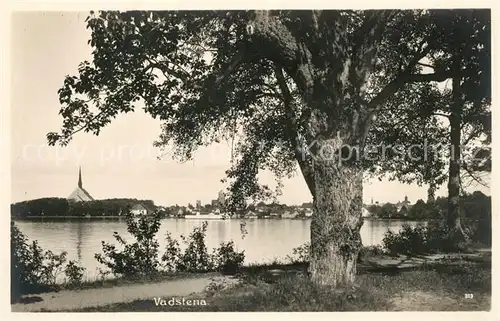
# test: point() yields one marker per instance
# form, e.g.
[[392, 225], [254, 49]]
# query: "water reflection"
[[265, 240]]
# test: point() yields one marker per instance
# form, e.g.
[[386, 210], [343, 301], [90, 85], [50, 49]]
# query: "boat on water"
[[205, 216]]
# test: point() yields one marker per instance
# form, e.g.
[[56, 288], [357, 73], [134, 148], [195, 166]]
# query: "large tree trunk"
[[336, 221], [454, 211], [329, 78]]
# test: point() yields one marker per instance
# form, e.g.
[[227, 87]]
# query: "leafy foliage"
[[208, 79], [196, 257], [436, 236], [300, 254], [226, 259], [281, 80], [39, 207], [74, 273], [142, 258], [33, 269], [62, 207], [417, 118], [477, 216], [138, 258], [410, 240]]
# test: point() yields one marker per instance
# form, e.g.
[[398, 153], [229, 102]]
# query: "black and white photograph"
[[313, 160]]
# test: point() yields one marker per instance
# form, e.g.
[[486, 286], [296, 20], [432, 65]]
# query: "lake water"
[[265, 240]]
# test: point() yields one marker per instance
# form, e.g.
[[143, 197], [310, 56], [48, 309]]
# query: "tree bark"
[[336, 221], [328, 82], [454, 210]]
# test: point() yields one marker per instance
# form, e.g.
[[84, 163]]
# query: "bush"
[[195, 257], [172, 257], [226, 260], [300, 254], [136, 259], [433, 238], [477, 217], [408, 241], [74, 273], [369, 251], [140, 258], [32, 269]]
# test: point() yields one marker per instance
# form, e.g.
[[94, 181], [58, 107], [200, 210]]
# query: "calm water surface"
[[265, 241]]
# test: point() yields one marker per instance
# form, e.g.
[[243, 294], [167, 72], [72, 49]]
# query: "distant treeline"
[[476, 213], [53, 206], [472, 205]]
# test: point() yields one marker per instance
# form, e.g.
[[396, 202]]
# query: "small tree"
[[419, 210], [32, 268], [135, 259], [388, 210]]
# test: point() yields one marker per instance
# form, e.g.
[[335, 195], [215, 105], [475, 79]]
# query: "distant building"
[[366, 209], [222, 198], [80, 194], [307, 205], [139, 209], [403, 206], [290, 214], [251, 214], [198, 204]]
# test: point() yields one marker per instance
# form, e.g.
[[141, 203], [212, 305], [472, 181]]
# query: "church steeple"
[[80, 177], [80, 194]]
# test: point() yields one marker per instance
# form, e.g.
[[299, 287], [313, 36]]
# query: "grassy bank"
[[430, 287], [123, 281]]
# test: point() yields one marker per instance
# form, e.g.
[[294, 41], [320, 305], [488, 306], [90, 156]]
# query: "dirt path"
[[74, 299], [429, 301]]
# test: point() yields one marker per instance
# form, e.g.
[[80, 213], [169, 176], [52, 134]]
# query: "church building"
[[80, 194]]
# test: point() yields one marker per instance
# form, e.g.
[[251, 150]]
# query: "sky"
[[121, 162]]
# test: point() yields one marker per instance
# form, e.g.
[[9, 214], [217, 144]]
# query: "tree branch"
[[304, 164], [443, 115], [439, 77], [283, 48], [472, 135], [231, 66], [426, 65], [475, 178], [399, 81]]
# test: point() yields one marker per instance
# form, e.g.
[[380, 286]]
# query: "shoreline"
[[411, 277]]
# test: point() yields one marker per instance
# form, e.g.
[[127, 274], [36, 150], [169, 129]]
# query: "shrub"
[[420, 239], [32, 269], [369, 251], [172, 257], [136, 259], [141, 257], [74, 273], [440, 240], [195, 257], [477, 217], [410, 240], [300, 254], [226, 259], [52, 266]]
